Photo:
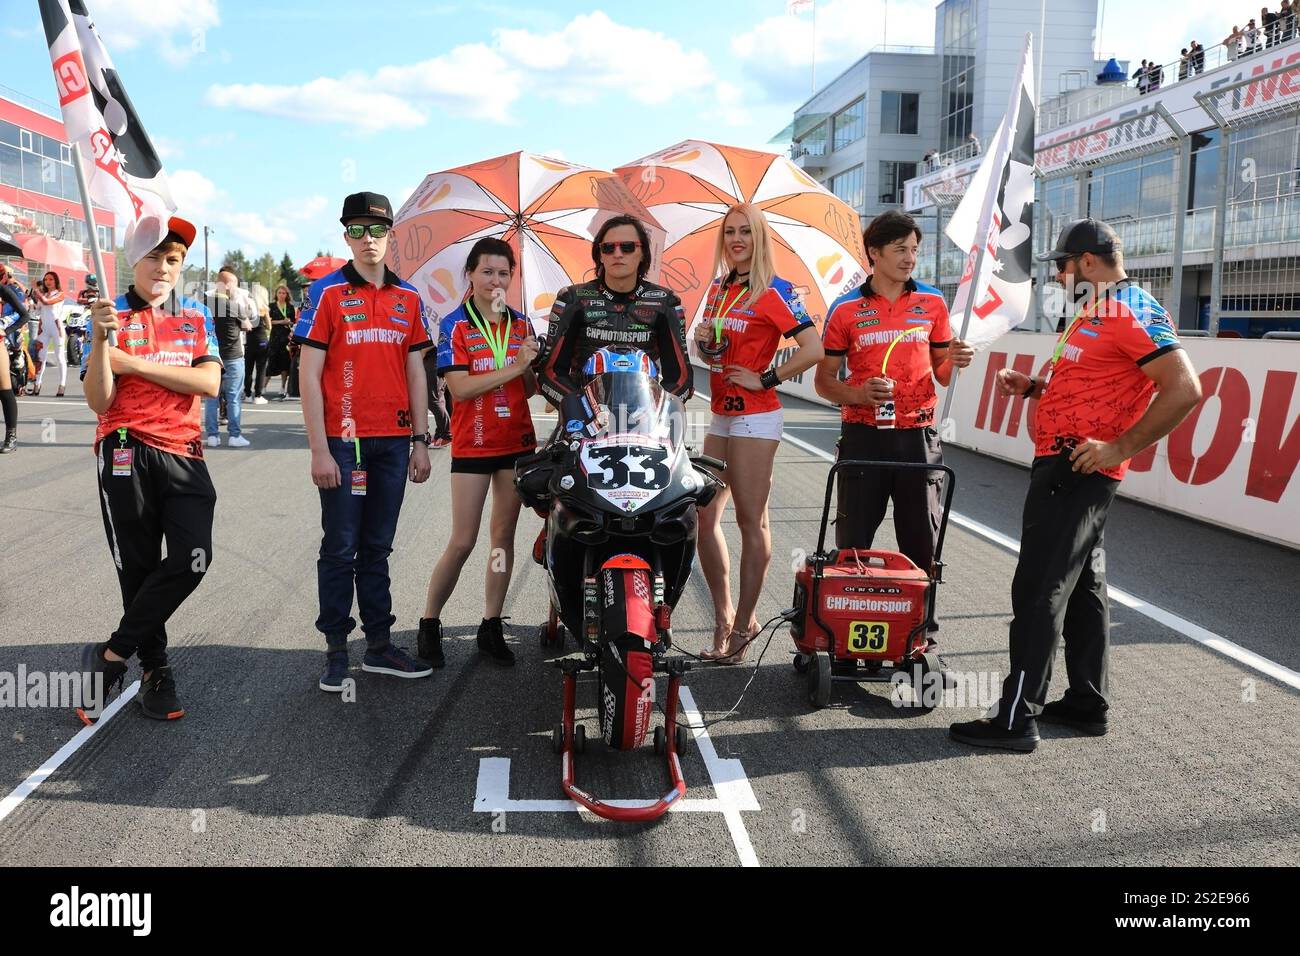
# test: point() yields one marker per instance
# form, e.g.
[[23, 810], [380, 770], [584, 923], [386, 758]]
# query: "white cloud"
[[776, 54], [589, 57], [175, 29], [201, 200]]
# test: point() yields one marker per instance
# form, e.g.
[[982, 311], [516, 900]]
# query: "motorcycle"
[[619, 490]]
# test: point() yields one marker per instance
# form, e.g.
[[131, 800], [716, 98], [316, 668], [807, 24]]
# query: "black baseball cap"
[[1083, 235], [374, 205]]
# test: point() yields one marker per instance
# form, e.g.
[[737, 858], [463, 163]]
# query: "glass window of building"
[[892, 177], [900, 112], [813, 143], [11, 165], [25, 138], [849, 125], [956, 102], [850, 186]]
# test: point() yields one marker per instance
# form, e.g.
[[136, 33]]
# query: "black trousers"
[[255, 357], [1059, 590], [167, 498], [864, 494], [439, 398]]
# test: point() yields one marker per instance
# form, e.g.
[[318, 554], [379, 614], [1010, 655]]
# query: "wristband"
[[426, 439], [769, 379], [1033, 384]]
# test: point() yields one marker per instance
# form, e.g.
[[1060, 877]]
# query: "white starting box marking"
[[727, 776]]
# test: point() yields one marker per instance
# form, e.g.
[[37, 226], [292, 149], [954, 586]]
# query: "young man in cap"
[[364, 403], [153, 484], [1095, 412]]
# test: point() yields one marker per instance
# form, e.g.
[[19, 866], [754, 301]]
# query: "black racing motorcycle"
[[619, 489]]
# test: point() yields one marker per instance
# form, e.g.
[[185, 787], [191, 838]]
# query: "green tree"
[[290, 275], [236, 259]]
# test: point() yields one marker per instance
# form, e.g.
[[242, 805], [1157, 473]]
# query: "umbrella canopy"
[[546, 209], [816, 237], [7, 245], [54, 253], [322, 266]]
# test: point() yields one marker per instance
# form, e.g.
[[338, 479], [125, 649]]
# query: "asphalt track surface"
[[1199, 768]]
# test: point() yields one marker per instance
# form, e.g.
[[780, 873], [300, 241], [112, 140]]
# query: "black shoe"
[[492, 641], [985, 733], [1090, 721], [429, 643], [157, 697], [10, 443], [99, 678]]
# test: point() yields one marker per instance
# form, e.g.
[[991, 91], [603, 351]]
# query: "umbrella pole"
[[96, 259]]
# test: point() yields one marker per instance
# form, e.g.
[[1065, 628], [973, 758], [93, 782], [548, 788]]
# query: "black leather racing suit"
[[590, 316]]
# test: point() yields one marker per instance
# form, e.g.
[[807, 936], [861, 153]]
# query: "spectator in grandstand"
[[1286, 22], [1095, 412], [1197, 58], [1232, 43], [1268, 23], [1141, 75], [1184, 64], [1251, 37]]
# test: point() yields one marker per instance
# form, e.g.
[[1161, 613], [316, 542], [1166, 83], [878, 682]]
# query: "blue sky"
[[267, 114]]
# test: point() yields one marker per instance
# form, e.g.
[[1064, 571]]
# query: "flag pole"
[[1002, 146], [95, 257]]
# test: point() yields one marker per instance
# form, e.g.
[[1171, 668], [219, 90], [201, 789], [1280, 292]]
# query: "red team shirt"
[[495, 423], [367, 334], [754, 333], [1096, 388], [862, 325], [152, 413]]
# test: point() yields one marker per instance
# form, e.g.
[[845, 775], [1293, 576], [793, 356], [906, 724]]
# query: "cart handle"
[[949, 486]]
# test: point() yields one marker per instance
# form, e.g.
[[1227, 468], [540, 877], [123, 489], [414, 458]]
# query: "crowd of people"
[[1271, 29], [365, 341]]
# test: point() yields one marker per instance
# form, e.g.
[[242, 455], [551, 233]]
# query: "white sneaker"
[[213, 441], [238, 441], [259, 400]]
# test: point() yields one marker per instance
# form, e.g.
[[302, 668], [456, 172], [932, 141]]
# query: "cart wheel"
[[801, 663], [926, 673], [819, 680], [557, 738], [661, 741], [580, 739], [682, 737]]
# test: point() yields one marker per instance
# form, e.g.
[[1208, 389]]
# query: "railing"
[[1256, 222], [902, 48], [1062, 110], [799, 150], [953, 156], [31, 103]]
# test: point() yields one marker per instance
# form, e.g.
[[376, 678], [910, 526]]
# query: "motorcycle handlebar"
[[710, 461]]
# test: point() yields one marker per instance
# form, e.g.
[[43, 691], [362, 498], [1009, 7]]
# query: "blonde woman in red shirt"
[[747, 313]]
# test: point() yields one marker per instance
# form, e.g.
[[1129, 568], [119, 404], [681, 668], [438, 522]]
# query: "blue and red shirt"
[[863, 324], [367, 334]]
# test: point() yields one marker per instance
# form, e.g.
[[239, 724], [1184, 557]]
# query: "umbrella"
[[322, 266], [546, 209], [816, 237], [7, 245], [54, 253]]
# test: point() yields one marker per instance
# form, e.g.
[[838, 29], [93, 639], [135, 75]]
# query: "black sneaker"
[[985, 733], [492, 641], [10, 443], [1089, 721], [95, 692], [429, 643], [157, 697]]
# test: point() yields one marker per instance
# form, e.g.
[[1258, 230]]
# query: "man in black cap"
[[364, 403], [1095, 412]]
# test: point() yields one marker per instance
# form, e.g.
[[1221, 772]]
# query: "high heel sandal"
[[737, 655], [721, 634]]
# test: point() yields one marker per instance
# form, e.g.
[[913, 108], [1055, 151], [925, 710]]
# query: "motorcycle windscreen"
[[635, 435]]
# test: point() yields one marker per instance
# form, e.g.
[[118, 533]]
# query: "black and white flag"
[[997, 212], [123, 171]]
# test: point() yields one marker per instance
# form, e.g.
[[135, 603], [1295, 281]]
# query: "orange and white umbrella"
[[546, 209], [817, 237]]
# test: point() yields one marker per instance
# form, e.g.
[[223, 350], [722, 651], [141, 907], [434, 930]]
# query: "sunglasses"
[[627, 248], [377, 230]]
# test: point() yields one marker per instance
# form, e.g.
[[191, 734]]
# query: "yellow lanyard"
[[718, 316]]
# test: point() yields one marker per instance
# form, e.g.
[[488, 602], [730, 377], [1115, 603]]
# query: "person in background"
[[439, 400], [1252, 38], [232, 315], [282, 316], [50, 333], [1198, 58], [257, 342], [1142, 75], [13, 315], [1183, 64], [1268, 24], [90, 293], [1286, 17]]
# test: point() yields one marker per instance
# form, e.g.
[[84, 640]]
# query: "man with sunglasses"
[[1095, 412], [619, 308], [364, 404]]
